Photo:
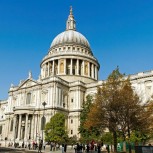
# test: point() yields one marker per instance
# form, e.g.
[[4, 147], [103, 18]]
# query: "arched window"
[[61, 67], [56, 69], [11, 127], [43, 122], [28, 101], [86, 69]]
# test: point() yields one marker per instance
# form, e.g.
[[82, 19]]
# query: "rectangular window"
[[71, 100], [28, 100], [71, 131], [71, 121]]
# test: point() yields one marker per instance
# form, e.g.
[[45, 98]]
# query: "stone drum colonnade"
[[70, 66]]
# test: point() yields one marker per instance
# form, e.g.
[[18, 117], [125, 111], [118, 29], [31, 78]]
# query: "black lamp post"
[[43, 120]]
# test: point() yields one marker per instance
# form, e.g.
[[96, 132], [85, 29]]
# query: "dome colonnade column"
[[76, 67]]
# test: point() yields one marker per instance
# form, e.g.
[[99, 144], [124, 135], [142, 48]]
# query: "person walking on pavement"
[[44, 145], [65, 148], [99, 148], [40, 147], [88, 148]]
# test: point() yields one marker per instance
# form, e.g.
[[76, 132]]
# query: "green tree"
[[55, 130], [87, 134], [134, 117], [107, 138], [104, 113], [117, 108], [72, 140]]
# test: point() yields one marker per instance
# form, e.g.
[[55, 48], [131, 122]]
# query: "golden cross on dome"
[[71, 10]]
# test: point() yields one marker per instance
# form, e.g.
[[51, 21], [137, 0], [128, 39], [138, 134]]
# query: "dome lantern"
[[71, 24]]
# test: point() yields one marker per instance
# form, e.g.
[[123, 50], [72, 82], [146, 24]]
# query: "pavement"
[[47, 150], [26, 150]]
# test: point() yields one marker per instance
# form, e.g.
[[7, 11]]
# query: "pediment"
[[28, 83]]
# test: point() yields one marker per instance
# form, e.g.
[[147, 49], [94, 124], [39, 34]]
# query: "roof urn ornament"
[[30, 75]]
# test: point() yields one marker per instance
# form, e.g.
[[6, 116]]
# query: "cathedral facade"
[[69, 72]]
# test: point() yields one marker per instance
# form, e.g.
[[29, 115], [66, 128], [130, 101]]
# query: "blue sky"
[[120, 33]]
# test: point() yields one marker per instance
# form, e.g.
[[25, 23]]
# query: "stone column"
[[14, 127], [48, 68], [96, 72], [92, 71], [26, 127], [77, 67], [32, 127], [71, 68], [65, 66], [35, 127], [45, 69], [58, 66], [39, 125], [88, 69], [53, 67], [83, 68], [57, 97], [19, 126]]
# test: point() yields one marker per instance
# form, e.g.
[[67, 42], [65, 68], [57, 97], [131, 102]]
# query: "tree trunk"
[[115, 141]]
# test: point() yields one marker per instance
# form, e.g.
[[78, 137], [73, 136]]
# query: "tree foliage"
[[107, 138], [92, 132], [118, 108], [55, 130]]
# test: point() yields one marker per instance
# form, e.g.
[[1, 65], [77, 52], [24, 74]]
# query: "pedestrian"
[[36, 145], [44, 145], [83, 148], [22, 144], [40, 147], [99, 148], [88, 148], [57, 146], [51, 146], [78, 148], [65, 148], [29, 145], [107, 148], [75, 148], [33, 145]]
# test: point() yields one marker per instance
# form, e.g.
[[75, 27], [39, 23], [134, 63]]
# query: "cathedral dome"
[[70, 55], [69, 37]]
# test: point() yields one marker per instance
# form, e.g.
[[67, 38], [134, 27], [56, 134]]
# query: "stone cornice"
[[71, 54]]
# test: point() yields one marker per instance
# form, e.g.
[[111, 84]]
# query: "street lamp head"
[[44, 103]]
